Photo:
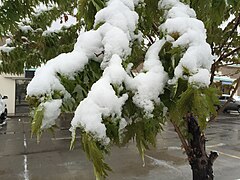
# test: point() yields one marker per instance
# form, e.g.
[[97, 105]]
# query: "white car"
[[3, 110]]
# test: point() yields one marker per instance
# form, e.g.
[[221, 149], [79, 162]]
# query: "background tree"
[[99, 70]]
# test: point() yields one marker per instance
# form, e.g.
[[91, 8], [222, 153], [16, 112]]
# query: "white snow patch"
[[43, 8], [57, 25], [6, 49], [25, 28], [103, 102], [115, 41], [150, 85], [119, 15], [201, 78], [51, 112], [46, 81], [91, 43], [197, 59]]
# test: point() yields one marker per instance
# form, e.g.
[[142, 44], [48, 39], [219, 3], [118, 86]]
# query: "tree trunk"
[[200, 162]]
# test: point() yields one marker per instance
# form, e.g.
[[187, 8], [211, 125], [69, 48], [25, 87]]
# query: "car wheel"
[[238, 109]]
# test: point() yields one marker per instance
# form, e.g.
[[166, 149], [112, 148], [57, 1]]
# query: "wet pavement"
[[21, 158]]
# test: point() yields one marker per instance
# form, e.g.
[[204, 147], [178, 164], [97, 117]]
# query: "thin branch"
[[155, 28], [181, 137], [223, 56], [101, 53], [230, 34], [230, 23], [150, 39], [228, 45], [213, 69]]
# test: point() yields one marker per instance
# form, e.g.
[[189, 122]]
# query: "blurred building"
[[226, 77], [14, 86]]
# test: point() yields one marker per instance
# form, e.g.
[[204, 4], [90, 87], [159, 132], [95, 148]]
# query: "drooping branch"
[[182, 138]]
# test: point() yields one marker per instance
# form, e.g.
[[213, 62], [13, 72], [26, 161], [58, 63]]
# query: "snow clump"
[[151, 82], [51, 111], [197, 59], [118, 24]]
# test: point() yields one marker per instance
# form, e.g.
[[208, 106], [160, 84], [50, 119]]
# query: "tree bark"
[[200, 162]]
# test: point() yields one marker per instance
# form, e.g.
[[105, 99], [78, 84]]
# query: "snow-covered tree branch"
[[178, 61], [124, 68]]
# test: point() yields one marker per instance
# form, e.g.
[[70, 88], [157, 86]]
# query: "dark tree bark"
[[200, 162]]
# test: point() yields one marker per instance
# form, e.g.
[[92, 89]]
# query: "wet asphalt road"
[[21, 158]]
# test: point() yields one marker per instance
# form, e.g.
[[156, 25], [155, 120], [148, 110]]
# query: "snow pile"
[[101, 101], [46, 81], [119, 23], [150, 85], [118, 29], [112, 39], [51, 111], [191, 34], [109, 44]]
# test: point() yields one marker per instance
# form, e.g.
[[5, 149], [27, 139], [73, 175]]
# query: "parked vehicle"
[[3, 110], [233, 105]]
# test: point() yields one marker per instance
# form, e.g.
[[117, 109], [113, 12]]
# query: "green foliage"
[[149, 16], [112, 129], [137, 55], [37, 121], [170, 57], [80, 85], [142, 128], [32, 48], [12, 13], [95, 153], [87, 10], [182, 98], [33, 101], [199, 101]]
